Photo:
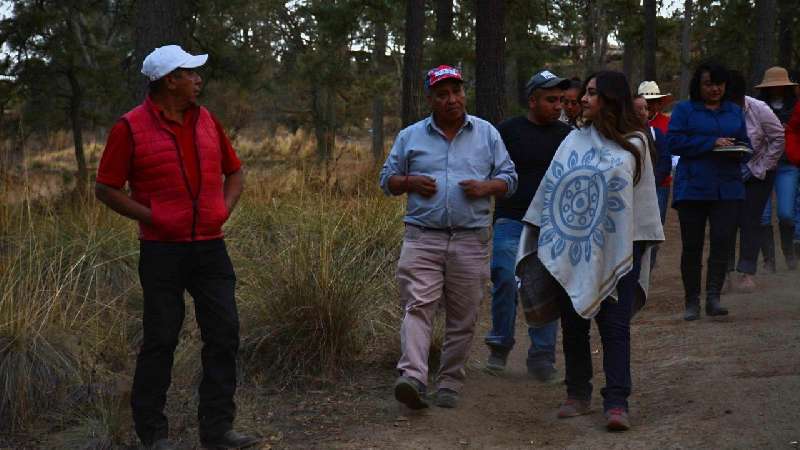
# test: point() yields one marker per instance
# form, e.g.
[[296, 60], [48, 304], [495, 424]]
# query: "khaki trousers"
[[447, 269]]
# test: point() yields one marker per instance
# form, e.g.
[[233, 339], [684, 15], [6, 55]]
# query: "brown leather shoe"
[[617, 420], [574, 407]]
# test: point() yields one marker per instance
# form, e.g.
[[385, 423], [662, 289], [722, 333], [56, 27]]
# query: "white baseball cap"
[[164, 60]]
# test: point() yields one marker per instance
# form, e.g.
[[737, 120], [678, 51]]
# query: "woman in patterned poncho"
[[597, 214]]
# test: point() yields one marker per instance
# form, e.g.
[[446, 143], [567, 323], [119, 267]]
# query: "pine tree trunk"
[[511, 79], [489, 64], [628, 60], [158, 23], [411, 108], [596, 32], [686, 48], [787, 17], [523, 74], [650, 40], [763, 52], [378, 55], [444, 19], [76, 120], [443, 37], [324, 115]]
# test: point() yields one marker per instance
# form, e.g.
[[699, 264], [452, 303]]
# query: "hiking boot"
[[617, 420], [161, 444], [574, 407], [786, 228], [446, 398], [410, 392], [230, 439], [545, 374], [692, 309], [497, 360], [713, 308]]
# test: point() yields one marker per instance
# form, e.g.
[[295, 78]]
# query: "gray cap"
[[544, 79]]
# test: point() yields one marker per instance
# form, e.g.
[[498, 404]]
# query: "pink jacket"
[[766, 135]]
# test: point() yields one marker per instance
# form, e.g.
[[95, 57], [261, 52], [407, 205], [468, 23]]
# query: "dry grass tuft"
[[62, 305], [316, 285], [101, 424]]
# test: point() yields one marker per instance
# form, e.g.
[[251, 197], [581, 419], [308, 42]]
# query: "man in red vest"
[[184, 179]]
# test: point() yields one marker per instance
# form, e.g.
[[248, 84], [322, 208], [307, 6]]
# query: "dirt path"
[[722, 383]]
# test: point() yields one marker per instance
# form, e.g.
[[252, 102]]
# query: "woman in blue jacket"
[[708, 185]]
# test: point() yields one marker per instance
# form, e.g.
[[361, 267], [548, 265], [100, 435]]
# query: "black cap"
[[545, 79]]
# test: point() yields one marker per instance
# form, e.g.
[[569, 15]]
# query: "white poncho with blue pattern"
[[589, 213]]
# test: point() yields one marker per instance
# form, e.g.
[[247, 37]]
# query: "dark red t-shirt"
[[115, 164]]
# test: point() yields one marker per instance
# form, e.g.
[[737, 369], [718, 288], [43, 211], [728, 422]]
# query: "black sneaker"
[[410, 392], [497, 360], [446, 398], [230, 439], [544, 374]]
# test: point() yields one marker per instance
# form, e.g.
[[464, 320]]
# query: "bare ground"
[[722, 383], [732, 382]]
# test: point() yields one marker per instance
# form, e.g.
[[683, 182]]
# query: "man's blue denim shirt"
[[476, 153]]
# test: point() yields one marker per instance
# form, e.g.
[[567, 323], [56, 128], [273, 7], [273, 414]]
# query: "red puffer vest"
[[158, 179]]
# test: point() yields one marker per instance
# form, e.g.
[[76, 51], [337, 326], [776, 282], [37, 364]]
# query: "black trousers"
[[693, 216], [166, 270], [614, 323], [749, 223]]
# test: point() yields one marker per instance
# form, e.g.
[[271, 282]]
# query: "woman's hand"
[[724, 142]]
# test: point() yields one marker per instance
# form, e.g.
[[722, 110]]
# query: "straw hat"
[[775, 76], [650, 91]]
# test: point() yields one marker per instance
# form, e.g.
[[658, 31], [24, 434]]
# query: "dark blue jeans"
[[542, 351], [613, 321]]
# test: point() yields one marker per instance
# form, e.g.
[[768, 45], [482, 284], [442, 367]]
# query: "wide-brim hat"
[[775, 77], [649, 90]]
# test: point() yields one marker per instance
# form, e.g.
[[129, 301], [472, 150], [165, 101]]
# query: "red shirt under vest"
[[184, 194]]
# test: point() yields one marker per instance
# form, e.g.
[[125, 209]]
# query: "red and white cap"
[[441, 73]]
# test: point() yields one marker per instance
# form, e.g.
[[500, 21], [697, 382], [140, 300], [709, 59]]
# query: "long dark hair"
[[736, 87], [617, 119]]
